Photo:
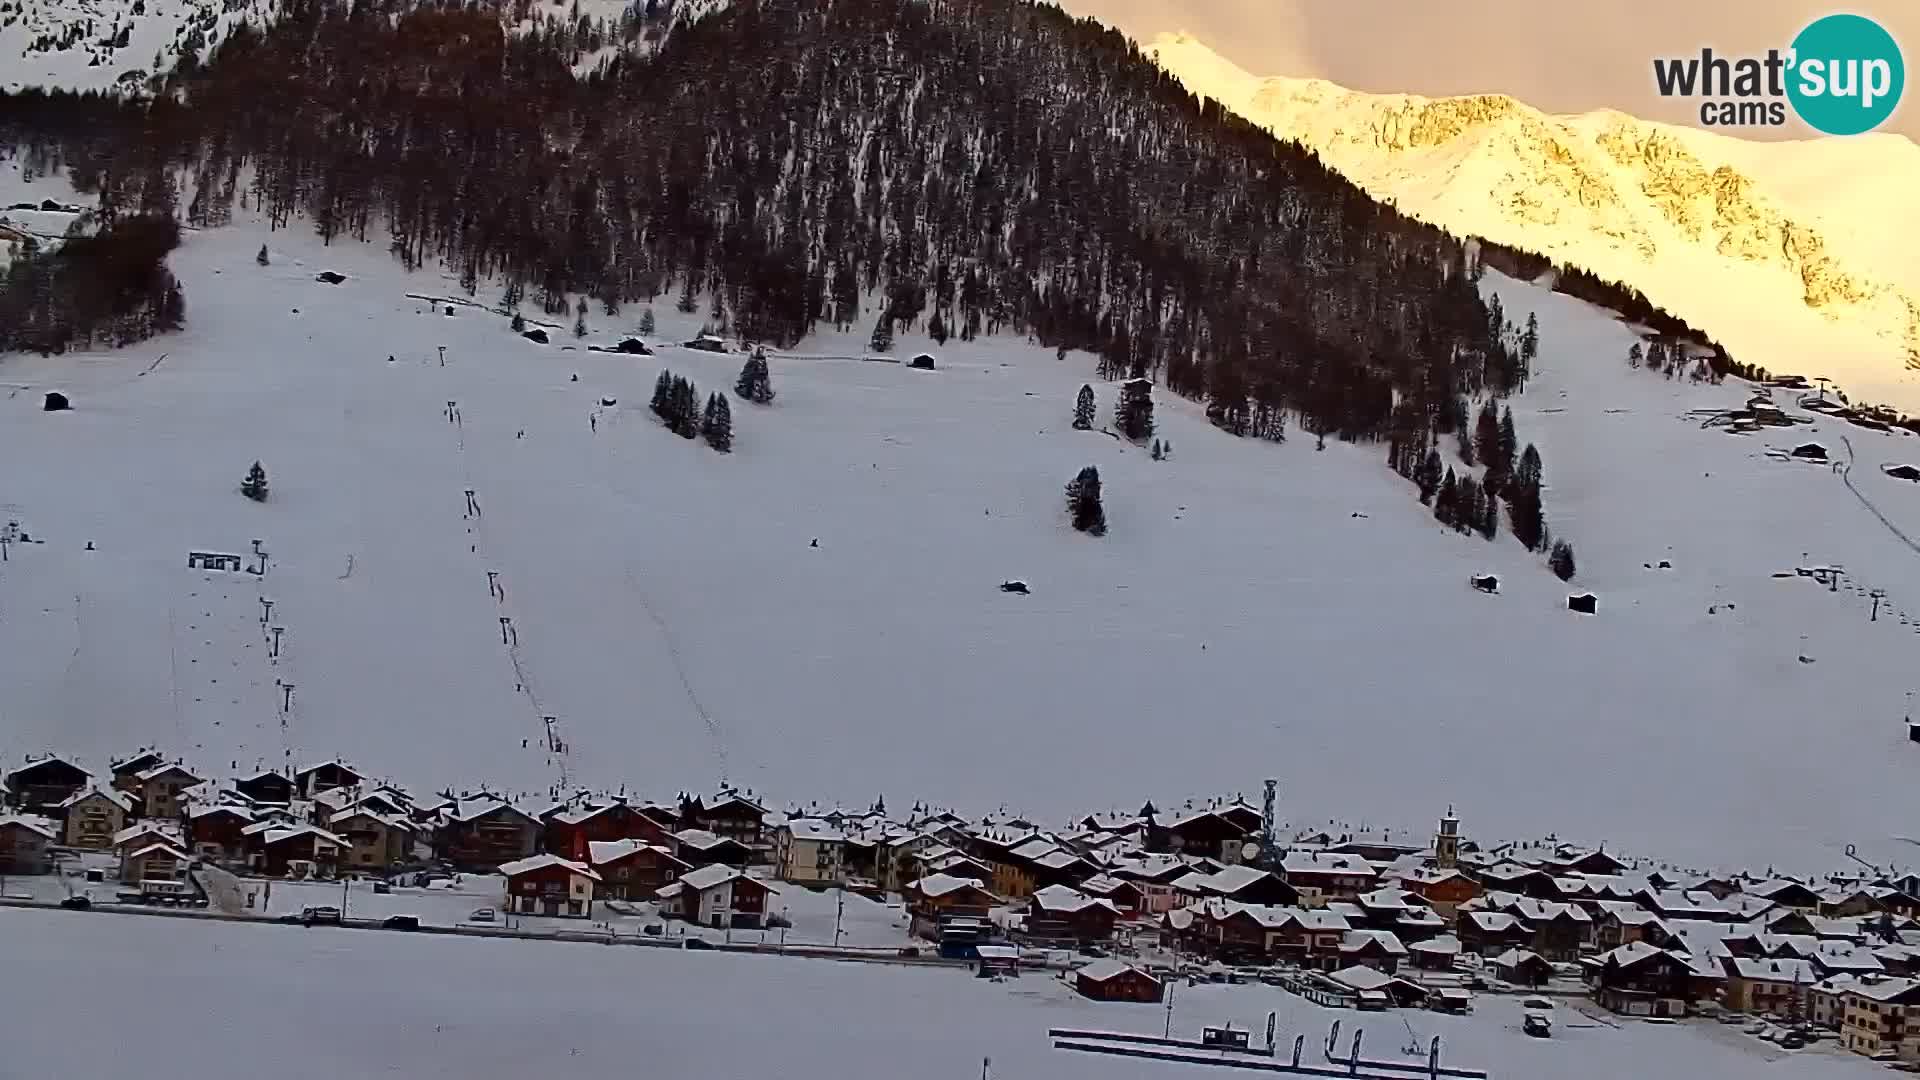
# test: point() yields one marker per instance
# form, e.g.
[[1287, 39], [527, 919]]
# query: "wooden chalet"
[[717, 896], [41, 786], [632, 869], [1117, 980], [266, 787], [569, 832], [483, 832], [93, 816], [1640, 980], [934, 900], [1059, 913], [216, 832], [546, 884], [325, 775], [23, 845]]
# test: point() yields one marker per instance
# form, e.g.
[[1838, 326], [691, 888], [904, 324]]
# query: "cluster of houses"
[[1375, 914]]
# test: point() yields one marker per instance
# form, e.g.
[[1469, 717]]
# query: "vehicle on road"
[[696, 943], [401, 922], [317, 915], [485, 914], [76, 903]]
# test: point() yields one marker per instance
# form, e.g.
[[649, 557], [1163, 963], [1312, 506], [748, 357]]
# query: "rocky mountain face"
[[1663, 209]]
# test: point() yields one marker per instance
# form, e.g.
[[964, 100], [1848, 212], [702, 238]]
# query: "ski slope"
[[1256, 610], [430, 1006]]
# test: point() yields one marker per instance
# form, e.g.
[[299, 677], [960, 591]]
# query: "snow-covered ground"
[[326, 1003], [1255, 610]]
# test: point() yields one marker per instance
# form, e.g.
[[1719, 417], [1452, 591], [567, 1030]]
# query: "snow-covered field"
[[325, 1003], [1256, 610]]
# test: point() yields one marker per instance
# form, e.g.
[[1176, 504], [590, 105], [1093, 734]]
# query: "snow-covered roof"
[[210, 809], [1444, 944], [819, 832], [1066, 901], [1103, 970], [1356, 940], [601, 852], [708, 877], [1361, 978], [162, 847], [284, 833], [701, 839], [118, 798], [544, 860], [1772, 970], [1513, 958], [1319, 862], [163, 769], [1633, 952], [943, 884], [38, 826], [143, 828]]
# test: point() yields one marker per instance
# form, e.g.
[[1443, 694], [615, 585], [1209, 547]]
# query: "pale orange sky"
[[1556, 56]]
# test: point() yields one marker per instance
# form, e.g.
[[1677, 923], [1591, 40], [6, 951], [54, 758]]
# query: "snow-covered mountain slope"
[[122, 44], [1797, 257], [111, 44], [1255, 610]]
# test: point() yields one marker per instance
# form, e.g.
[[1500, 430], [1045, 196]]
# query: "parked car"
[[382, 887], [316, 915], [696, 943], [76, 903], [1792, 1040], [401, 922], [484, 914]]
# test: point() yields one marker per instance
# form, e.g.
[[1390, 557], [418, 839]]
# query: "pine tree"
[[1486, 437], [1634, 355], [717, 425], [1083, 502], [1561, 560], [1466, 447], [1446, 501], [1083, 409], [1489, 523], [261, 258], [685, 418], [1157, 455], [1523, 500], [646, 322], [519, 323], [882, 339], [755, 383], [255, 485], [1530, 339], [937, 329], [1507, 446], [1133, 414], [662, 404], [580, 321], [1428, 476]]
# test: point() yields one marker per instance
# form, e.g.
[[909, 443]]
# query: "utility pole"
[[1170, 985], [443, 355], [839, 910], [1876, 594]]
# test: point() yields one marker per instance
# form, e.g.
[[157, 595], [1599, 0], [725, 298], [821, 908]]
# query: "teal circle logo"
[[1847, 75]]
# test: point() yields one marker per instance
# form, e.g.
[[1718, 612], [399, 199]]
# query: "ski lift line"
[[522, 680], [1432, 1068], [1190, 1058], [1153, 1040]]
